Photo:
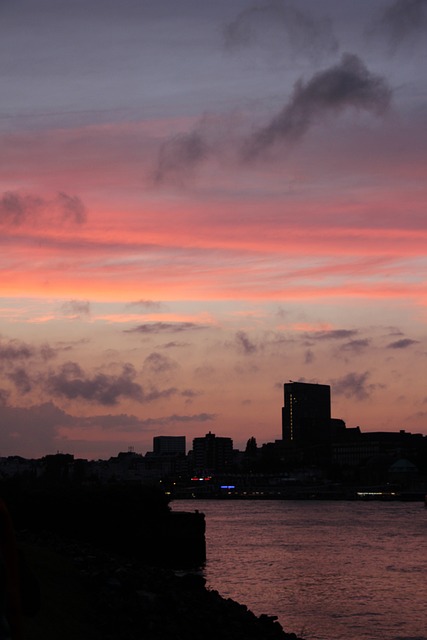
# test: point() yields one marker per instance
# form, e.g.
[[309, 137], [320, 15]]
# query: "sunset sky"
[[200, 201]]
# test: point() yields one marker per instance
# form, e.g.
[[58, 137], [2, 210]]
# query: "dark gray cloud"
[[190, 393], [20, 362], [174, 345], [12, 351], [278, 25], [356, 346], [15, 350], [47, 352], [71, 208], [347, 84], [35, 431], [71, 382], [76, 308], [146, 304], [32, 431], [197, 417], [334, 334], [159, 394], [17, 209], [126, 422], [156, 363], [165, 327], [394, 331], [353, 385], [179, 156], [21, 380], [403, 21], [402, 344], [180, 419], [205, 371], [4, 397], [244, 344], [309, 357], [277, 338], [108, 422]]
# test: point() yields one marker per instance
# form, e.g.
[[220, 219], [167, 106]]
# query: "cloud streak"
[[147, 305], [17, 209], [356, 346], [179, 156], [349, 84], [165, 327], [402, 344], [333, 334]]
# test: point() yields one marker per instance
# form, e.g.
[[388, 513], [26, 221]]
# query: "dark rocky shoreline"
[[127, 600], [106, 559]]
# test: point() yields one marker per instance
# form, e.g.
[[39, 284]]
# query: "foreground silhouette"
[[10, 599], [103, 561]]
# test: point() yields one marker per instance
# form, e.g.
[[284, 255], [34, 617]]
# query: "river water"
[[328, 570]]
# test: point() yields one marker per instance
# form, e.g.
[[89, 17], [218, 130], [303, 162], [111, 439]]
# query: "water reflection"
[[328, 570]]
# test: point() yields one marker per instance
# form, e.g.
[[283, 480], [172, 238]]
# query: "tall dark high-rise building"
[[306, 416]]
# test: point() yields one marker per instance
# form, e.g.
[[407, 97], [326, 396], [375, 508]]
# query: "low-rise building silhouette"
[[168, 445], [314, 448], [212, 453]]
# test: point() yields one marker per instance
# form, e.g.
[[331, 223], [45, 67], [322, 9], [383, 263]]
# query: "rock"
[[128, 600]]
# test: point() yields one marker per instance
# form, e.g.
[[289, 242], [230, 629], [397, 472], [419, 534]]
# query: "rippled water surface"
[[328, 570]]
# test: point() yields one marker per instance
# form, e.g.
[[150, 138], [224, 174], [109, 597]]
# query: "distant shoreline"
[[356, 496]]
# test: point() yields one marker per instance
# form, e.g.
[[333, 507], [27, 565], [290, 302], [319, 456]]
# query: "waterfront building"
[[306, 415], [212, 453], [306, 424], [168, 445]]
